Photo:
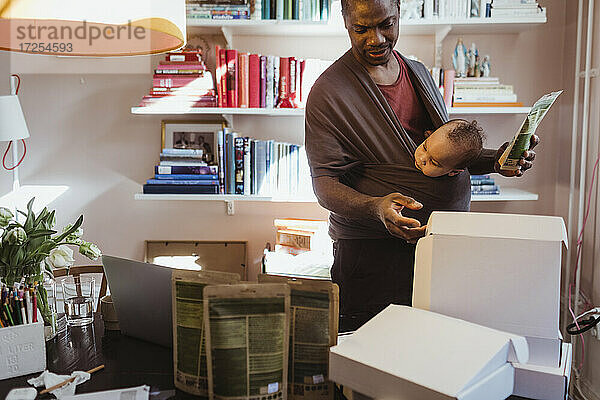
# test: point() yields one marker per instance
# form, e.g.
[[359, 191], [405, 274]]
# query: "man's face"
[[373, 29]]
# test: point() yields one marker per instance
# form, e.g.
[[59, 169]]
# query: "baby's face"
[[436, 156]]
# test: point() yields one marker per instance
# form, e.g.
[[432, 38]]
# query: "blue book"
[[482, 182], [188, 177], [196, 182], [476, 177], [181, 189], [230, 162], [186, 169]]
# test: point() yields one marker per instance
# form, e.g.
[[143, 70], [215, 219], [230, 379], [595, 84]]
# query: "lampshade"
[[12, 121], [92, 27]]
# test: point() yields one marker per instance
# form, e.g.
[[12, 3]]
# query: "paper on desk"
[[48, 379], [134, 393]]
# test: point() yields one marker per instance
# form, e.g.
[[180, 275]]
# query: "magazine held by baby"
[[520, 142]]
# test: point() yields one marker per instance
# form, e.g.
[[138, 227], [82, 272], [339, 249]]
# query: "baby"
[[449, 149]]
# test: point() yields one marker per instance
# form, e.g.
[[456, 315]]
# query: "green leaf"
[[66, 233], [44, 232]]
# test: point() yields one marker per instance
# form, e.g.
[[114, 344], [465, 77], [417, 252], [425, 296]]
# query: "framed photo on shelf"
[[193, 135]]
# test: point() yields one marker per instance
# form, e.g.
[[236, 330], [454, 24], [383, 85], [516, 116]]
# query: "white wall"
[[83, 136]]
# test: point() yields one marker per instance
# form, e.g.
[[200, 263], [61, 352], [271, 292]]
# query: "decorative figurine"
[[485, 66], [473, 54], [459, 59], [475, 8]]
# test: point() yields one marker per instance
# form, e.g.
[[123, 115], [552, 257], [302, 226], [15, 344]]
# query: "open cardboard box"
[[544, 383], [406, 353], [497, 270]]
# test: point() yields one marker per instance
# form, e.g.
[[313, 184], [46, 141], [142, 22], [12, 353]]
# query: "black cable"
[[584, 326]]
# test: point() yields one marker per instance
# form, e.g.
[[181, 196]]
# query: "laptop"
[[141, 293]]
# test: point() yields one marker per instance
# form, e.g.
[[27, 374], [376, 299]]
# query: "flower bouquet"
[[30, 250]]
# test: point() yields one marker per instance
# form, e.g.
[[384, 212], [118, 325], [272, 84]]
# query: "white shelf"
[[335, 27], [506, 194], [299, 112], [161, 110]]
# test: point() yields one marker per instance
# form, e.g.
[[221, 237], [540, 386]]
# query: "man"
[[365, 117]]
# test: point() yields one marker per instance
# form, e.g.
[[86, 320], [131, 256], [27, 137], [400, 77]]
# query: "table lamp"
[[12, 126]]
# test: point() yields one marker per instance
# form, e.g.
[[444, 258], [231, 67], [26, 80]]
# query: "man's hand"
[[389, 211], [525, 162]]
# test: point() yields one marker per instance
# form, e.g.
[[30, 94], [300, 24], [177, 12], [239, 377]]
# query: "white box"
[[405, 353], [497, 270], [22, 350], [544, 383]]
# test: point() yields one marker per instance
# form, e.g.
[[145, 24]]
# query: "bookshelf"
[[299, 112], [335, 27], [506, 194]]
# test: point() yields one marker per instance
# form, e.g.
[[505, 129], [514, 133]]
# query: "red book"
[[179, 56], [218, 74], [243, 98], [254, 81], [232, 78], [177, 81], [293, 81], [223, 79], [284, 83]]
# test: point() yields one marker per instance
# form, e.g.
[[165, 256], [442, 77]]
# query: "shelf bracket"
[[230, 207], [226, 31], [228, 118], [440, 35]]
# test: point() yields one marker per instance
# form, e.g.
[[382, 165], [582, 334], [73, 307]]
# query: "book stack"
[[181, 80], [483, 185], [217, 9], [259, 81], [249, 166], [516, 8], [483, 92], [182, 171], [302, 10]]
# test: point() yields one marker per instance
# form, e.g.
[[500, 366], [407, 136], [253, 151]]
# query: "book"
[[186, 169], [190, 182], [247, 175], [181, 158], [485, 192], [254, 81], [221, 159], [448, 86], [182, 163], [181, 189], [184, 56], [232, 78], [184, 177], [485, 181], [219, 75], [276, 66], [284, 82], [182, 152], [239, 165], [230, 162], [243, 71], [486, 176], [263, 81], [483, 188], [483, 98], [270, 82], [514, 104], [279, 9]]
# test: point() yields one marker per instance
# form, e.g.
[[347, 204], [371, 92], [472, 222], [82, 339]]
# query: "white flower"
[[16, 236], [5, 216], [60, 257], [90, 250]]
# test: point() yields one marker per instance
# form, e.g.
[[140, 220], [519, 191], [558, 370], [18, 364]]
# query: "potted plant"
[[32, 249]]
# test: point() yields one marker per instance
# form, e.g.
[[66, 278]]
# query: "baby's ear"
[[455, 172], [427, 134]]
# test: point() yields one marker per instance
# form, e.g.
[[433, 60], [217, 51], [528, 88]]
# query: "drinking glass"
[[78, 292]]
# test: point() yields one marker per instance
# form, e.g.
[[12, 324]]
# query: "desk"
[[128, 362]]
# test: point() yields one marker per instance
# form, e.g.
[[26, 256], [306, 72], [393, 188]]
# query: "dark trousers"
[[371, 274]]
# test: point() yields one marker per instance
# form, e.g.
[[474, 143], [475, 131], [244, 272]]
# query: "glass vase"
[[54, 322]]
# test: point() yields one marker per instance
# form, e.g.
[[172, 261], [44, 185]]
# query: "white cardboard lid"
[[491, 225], [441, 353]]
